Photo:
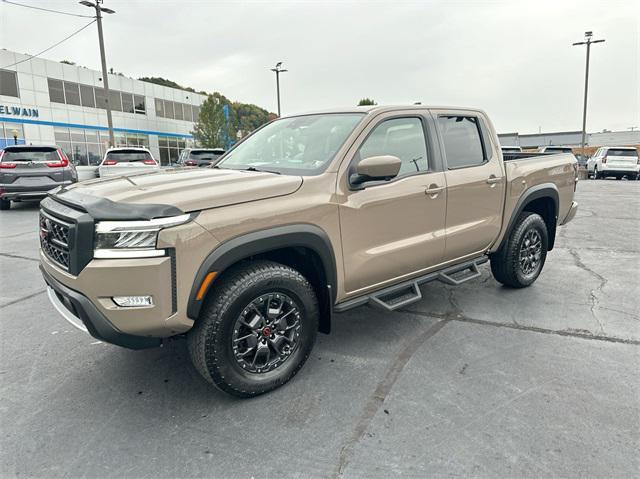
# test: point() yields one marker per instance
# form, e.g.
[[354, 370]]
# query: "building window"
[[9, 83], [168, 110], [131, 139], [7, 130], [170, 149], [115, 101], [87, 147], [86, 96], [101, 98], [140, 106], [56, 91], [127, 103], [93, 97], [159, 107], [176, 111], [71, 93]]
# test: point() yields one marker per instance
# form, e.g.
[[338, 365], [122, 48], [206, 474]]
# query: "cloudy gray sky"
[[512, 58]]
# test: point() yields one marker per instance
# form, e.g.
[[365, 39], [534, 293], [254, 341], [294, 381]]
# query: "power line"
[[47, 9], [31, 57]]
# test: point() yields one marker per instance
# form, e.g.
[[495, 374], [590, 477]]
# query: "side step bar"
[[408, 292]]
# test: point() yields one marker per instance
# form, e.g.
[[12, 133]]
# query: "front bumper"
[[571, 214], [78, 310]]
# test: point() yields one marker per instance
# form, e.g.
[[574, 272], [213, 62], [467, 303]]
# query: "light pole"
[[588, 41], [99, 9], [278, 69]]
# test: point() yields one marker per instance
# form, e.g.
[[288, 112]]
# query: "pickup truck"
[[309, 216]]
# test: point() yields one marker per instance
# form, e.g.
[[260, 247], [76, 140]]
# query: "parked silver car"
[[29, 172]]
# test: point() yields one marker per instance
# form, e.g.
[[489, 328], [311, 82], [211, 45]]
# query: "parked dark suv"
[[29, 172], [200, 156]]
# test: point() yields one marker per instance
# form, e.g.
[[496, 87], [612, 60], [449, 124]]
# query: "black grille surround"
[[54, 239], [66, 235]]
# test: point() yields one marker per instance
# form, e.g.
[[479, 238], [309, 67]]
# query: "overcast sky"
[[512, 58]]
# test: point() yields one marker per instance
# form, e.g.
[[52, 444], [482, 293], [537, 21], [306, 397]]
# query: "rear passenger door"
[[475, 183]]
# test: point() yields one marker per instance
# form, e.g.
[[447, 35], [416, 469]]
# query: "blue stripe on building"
[[91, 127]]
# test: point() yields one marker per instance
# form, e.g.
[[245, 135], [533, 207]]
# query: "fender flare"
[[241, 247], [543, 190]]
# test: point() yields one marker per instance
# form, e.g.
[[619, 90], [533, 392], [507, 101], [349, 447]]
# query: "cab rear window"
[[37, 154], [127, 156]]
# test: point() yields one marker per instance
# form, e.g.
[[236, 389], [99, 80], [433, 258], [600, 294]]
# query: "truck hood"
[[183, 189]]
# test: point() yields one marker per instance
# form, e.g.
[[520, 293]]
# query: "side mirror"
[[376, 168]]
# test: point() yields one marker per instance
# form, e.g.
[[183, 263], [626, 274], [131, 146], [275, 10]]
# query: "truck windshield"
[[299, 145]]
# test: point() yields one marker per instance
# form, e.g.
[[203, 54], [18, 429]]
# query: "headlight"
[[132, 239]]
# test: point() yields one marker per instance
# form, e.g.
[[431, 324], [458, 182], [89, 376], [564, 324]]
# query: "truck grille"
[[54, 239]]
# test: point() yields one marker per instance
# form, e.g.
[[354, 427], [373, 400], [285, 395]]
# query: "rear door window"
[[30, 154], [462, 141], [128, 156]]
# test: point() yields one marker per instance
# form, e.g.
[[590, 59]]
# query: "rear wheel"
[[5, 204], [519, 261], [256, 329]]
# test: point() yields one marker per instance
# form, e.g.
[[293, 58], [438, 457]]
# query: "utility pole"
[[99, 9], [278, 69], [588, 41]]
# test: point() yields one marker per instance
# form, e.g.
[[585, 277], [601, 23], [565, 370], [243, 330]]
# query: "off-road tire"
[[505, 263], [210, 340], [5, 204]]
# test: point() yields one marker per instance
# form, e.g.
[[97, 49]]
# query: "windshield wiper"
[[253, 168]]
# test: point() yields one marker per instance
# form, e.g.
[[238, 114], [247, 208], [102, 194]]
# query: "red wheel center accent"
[[266, 332]]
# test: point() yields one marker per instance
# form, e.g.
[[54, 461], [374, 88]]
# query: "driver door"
[[392, 229]]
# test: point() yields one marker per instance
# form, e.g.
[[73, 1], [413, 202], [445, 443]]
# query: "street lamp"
[[15, 136], [278, 69], [99, 10], [588, 41]]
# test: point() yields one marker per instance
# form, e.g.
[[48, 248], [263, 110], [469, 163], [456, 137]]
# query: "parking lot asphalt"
[[477, 380]]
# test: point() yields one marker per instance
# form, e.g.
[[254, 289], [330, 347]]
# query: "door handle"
[[492, 180], [433, 190]]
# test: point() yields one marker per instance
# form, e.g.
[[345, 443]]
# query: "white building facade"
[[47, 102]]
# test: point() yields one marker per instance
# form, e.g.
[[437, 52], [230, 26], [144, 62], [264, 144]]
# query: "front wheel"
[[256, 330], [5, 204], [519, 261]]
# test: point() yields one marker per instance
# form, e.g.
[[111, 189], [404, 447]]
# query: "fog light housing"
[[133, 301]]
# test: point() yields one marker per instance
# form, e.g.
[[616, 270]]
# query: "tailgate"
[[31, 174]]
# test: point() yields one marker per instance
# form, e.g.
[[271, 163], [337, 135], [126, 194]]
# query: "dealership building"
[[48, 102]]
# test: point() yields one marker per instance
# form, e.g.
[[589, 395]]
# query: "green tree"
[[366, 101], [212, 130]]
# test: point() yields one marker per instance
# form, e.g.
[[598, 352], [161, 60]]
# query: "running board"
[[408, 292]]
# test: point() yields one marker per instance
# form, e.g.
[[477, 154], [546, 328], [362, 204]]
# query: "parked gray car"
[[29, 172]]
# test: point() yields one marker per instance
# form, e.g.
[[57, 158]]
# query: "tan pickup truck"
[[310, 215]]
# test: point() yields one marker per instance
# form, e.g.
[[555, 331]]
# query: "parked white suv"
[[615, 161], [127, 160]]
